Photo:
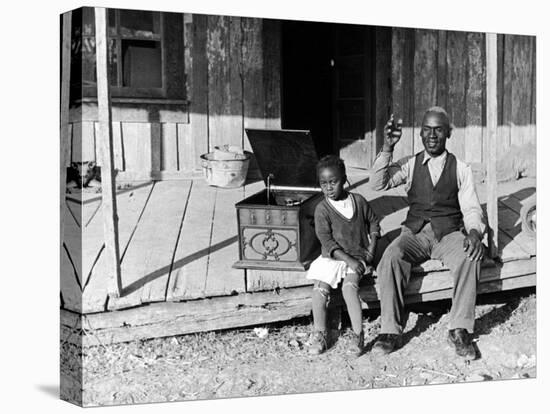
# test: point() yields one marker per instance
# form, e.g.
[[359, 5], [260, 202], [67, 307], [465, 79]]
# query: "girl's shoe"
[[357, 343], [319, 343]]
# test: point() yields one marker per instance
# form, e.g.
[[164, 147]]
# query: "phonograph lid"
[[287, 154]]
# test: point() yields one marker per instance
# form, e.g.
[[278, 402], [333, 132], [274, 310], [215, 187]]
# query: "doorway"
[[328, 73]]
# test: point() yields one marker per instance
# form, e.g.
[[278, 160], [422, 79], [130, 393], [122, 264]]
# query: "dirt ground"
[[273, 359]]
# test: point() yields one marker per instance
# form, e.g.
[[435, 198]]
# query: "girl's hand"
[[356, 266]]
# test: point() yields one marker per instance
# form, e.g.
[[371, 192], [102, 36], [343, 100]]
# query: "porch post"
[[492, 112], [105, 138]]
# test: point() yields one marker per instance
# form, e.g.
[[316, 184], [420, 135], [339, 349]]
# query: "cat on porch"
[[83, 174]]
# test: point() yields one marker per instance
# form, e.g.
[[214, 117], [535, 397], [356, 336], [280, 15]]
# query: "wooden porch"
[[178, 241]]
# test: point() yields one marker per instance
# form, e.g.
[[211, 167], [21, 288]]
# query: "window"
[[145, 54]]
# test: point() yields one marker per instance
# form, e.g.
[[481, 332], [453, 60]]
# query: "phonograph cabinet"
[[276, 225]]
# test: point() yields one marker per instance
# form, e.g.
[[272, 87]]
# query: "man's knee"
[[393, 253]]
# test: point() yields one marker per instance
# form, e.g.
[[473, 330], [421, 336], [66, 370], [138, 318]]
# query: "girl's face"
[[332, 182]]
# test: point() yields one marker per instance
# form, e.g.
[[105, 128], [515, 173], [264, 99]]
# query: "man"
[[444, 222]]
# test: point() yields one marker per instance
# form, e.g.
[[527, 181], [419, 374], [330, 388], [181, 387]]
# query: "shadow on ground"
[[49, 389]]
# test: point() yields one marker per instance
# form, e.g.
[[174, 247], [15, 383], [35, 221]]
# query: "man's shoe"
[[461, 341], [386, 343], [357, 343], [319, 343]]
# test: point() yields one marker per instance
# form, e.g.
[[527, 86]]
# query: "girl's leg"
[[350, 292], [320, 299]]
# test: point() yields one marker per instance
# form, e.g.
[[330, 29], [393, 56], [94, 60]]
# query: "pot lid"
[[287, 154]]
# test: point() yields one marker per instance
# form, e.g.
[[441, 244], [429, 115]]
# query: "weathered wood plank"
[[109, 205], [188, 277], [186, 148], [135, 110], [92, 238], [70, 290], [421, 287], [261, 280], [187, 52], [156, 132], [118, 147], [129, 135], [88, 142], [457, 58], [167, 319], [403, 88], [118, 152], [521, 88], [144, 147], [198, 111], [492, 143], [501, 150], [507, 115], [383, 42], [533, 46], [425, 82], [69, 294], [71, 256], [222, 278], [475, 92], [148, 259], [486, 287], [253, 85], [169, 147], [131, 204], [253, 81], [224, 82], [271, 41], [442, 89], [76, 142]]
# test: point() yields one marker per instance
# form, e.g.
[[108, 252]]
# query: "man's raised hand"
[[392, 133]]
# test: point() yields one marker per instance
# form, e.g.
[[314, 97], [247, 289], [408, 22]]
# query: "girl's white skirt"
[[328, 270]]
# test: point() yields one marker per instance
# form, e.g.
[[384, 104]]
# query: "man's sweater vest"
[[436, 204]]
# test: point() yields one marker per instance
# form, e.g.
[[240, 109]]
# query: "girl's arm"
[[352, 262], [372, 247], [373, 228], [323, 230], [329, 246]]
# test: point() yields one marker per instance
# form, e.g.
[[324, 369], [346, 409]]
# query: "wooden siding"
[[232, 68], [233, 82], [447, 68]]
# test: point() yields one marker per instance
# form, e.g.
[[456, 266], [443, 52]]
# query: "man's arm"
[[471, 211], [386, 175]]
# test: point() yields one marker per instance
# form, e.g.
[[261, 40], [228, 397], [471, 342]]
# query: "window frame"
[[172, 89]]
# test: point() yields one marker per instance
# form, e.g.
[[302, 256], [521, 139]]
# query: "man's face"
[[434, 133]]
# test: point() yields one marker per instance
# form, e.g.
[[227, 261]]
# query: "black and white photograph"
[[254, 206]]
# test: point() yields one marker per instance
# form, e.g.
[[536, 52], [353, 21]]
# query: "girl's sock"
[[350, 292], [320, 298]]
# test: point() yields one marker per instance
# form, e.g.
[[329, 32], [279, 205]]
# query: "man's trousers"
[[408, 249]]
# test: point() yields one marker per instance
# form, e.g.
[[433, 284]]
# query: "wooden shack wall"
[[233, 81], [447, 68], [232, 68]]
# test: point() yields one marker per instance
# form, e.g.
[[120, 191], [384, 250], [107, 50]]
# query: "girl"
[[347, 229]]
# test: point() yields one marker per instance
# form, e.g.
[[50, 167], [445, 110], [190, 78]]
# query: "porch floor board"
[[179, 240]]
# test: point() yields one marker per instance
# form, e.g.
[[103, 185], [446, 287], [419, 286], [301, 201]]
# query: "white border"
[[29, 136]]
